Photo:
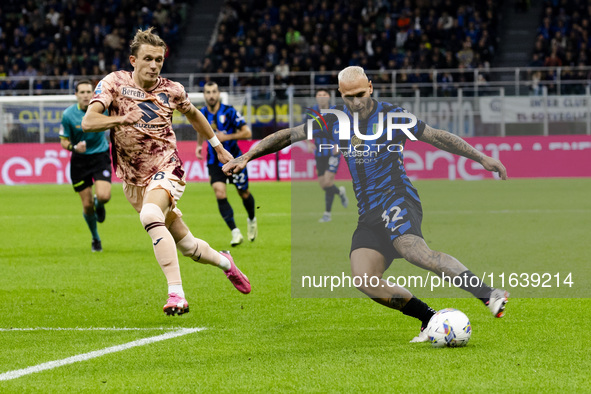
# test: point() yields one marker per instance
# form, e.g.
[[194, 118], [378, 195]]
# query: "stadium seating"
[[62, 38], [403, 34], [563, 40]]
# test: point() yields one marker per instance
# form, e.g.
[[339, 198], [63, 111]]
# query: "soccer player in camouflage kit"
[[141, 104]]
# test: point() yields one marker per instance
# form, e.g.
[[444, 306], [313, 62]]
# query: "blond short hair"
[[148, 38], [352, 73]]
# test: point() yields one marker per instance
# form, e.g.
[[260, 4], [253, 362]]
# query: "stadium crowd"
[[87, 37], [281, 36], [563, 39], [83, 37]]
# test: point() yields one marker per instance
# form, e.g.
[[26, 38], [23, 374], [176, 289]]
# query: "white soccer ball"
[[449, 327]]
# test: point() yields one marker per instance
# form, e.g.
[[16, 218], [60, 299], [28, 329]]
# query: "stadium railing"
[[474, 82]]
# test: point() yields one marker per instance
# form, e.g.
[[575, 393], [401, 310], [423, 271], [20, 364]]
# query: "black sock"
[[249, 205], [329, 193], [227, 212], [418, 309], [474, 285]]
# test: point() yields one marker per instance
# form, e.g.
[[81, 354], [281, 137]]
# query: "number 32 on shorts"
[[391, 216]]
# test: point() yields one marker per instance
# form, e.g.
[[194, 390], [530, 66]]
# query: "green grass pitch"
[[268, 340]]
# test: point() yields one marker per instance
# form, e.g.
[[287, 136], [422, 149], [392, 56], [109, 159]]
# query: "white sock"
[[178, 289], [224, 263]]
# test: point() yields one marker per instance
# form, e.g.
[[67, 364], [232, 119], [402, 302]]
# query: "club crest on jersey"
[[222, 118], [133, 93], [356, 141]]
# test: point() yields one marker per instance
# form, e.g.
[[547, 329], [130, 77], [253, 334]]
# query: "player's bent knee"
[[151, 215], [103, 198]]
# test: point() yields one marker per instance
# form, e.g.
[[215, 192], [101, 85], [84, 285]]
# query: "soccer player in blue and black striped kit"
[[229, 126], [390, 211]]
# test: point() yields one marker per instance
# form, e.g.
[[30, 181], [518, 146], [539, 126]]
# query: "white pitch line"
[[88, 329], [97, 353]]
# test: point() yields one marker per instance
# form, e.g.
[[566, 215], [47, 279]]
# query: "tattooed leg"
[[414, 249]]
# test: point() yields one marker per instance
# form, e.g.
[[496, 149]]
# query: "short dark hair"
[[83, 82], [322, 90], [210, 83]]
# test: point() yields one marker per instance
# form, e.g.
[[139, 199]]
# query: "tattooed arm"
[[271, 143], [452, 143]]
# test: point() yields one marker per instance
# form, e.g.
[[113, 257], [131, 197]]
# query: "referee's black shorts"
[[86, 169]]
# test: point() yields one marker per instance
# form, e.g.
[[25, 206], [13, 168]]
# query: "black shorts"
[[239, 180], [85, 169], [327, 163], [404, 216]]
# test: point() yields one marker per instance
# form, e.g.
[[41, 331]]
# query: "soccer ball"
[[449, 327]]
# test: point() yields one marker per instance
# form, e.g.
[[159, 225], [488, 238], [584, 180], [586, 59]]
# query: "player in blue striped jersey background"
[[229, 126]]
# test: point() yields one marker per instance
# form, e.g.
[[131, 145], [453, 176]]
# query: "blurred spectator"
[[466, 55], [536, 87]]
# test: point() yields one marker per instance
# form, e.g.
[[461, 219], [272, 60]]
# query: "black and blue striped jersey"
[[376, 166], [227, 120]]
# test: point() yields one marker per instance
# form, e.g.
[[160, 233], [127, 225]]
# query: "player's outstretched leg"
[[200, 251], [368, 263], [414, 249]]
